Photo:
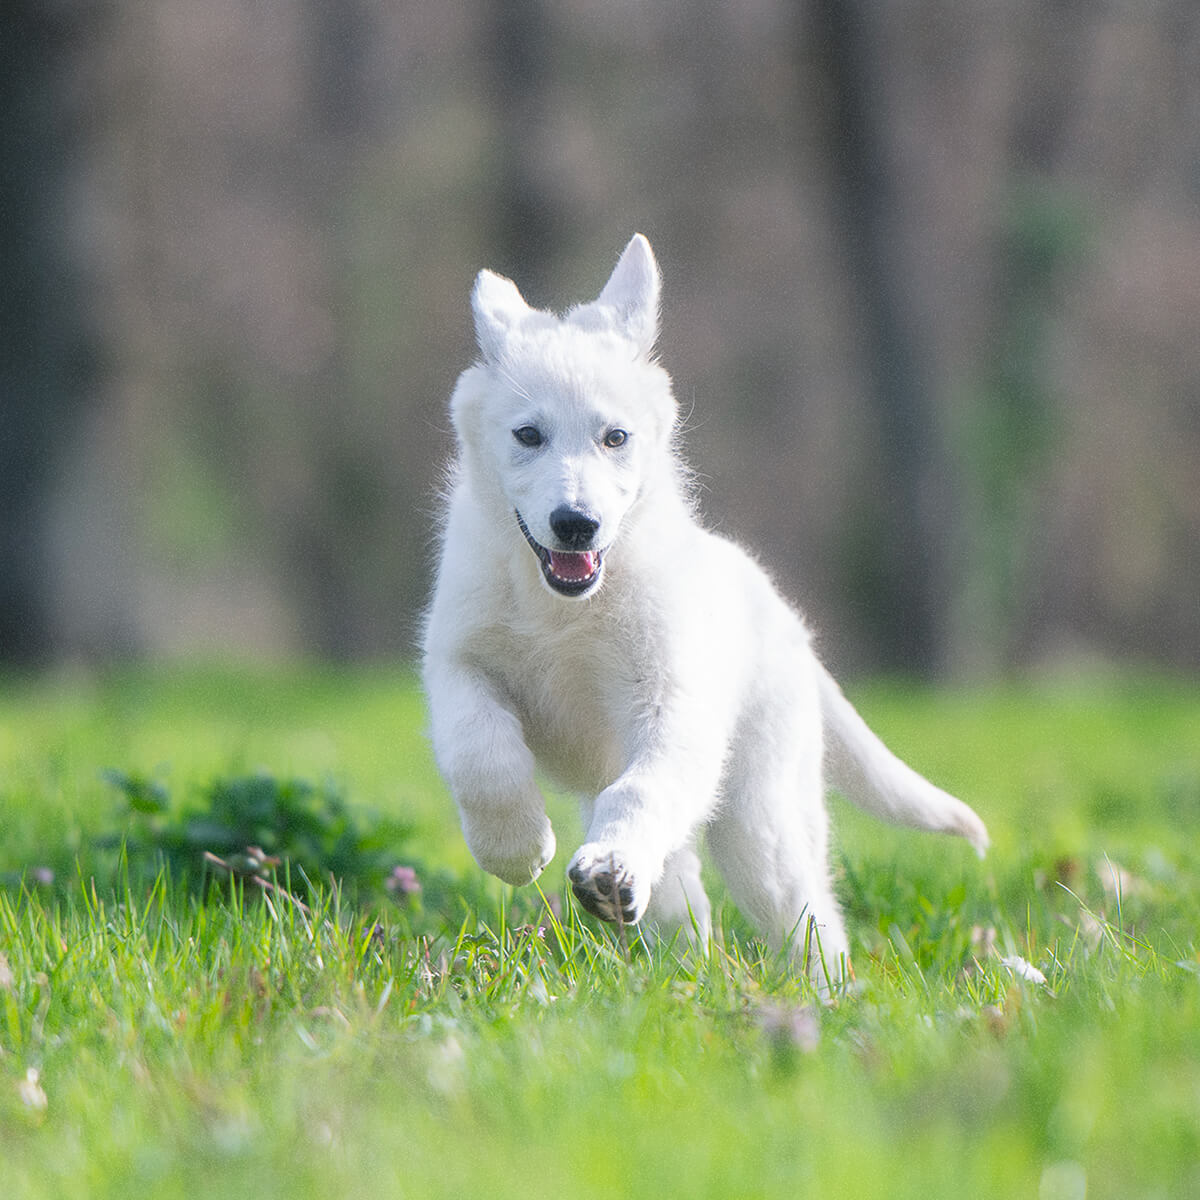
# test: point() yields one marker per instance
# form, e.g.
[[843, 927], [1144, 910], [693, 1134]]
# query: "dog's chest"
[[575, 695]]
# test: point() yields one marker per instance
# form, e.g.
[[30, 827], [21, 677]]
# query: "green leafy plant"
[[259, 825]]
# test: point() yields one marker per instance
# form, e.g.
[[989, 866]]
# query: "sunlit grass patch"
[[1029, 1025]]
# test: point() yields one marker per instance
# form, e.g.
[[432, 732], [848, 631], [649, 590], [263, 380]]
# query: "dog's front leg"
[[637, 823], [481, 752]]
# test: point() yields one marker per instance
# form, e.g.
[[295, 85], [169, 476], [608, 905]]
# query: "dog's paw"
[[607, 885], [516, 852]]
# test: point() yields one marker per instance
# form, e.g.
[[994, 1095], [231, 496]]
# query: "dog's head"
[[566, 420]]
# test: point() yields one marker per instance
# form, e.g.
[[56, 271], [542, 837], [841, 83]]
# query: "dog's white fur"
[[679, 692]]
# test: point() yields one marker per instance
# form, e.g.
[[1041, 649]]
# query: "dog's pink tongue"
[[572, 566]]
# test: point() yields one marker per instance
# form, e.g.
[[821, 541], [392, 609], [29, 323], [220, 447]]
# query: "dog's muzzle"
[[571, 573]]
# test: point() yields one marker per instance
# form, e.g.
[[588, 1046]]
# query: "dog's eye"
[[528, 435], [615, 437]]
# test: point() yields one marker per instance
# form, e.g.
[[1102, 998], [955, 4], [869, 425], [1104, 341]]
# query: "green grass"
[[160, 1040]]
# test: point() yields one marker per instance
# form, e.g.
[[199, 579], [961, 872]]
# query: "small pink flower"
[[403, 882]]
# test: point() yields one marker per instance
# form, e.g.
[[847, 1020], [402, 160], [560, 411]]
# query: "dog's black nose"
[[574, 528]]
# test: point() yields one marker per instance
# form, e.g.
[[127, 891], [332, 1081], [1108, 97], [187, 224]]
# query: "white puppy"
[[583, 621]]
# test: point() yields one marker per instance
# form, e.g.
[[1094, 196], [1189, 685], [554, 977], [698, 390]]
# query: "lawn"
[[1025, 1026]]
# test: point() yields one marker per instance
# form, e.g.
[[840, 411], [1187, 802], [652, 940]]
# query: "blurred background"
[[932, 306]]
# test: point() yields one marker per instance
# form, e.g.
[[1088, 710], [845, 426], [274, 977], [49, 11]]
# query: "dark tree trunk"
[[326, 532], [43, 344], [527, 223], [893, 569]]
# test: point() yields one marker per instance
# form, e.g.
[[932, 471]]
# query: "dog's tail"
[[870, 776]]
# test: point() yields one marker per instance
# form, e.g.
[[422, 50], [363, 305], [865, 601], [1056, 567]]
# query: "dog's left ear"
[[498, 307], [631, 295]]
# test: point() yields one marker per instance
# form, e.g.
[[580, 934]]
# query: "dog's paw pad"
[[605, 887]]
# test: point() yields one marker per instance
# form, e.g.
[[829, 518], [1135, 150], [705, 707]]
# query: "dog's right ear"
[[498, 307], [631, 295]]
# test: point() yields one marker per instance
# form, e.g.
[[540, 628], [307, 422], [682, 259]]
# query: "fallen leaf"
[[1023, 969], [31, 1092]]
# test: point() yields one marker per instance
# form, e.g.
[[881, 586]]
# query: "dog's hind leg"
[[770, 842], [679, 901]]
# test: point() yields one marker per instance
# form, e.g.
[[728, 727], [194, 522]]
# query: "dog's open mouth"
[[568, 572]]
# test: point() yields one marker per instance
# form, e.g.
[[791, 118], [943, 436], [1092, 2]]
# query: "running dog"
[[584, 622]]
